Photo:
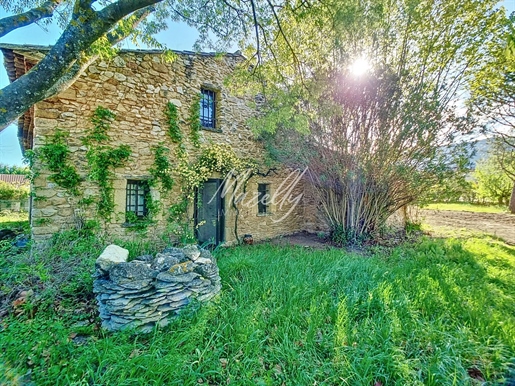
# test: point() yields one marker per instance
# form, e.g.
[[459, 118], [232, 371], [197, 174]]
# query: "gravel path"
[[497, 224]]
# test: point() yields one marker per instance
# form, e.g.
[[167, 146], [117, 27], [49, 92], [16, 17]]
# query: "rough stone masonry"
[[148, 291]]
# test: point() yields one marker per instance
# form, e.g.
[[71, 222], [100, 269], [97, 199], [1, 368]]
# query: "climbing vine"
[[103, 159], [219, 158], [194, 121], [174, 131], [55, 154], [161, 169]]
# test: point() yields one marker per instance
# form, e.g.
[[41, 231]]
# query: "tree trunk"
[[512, 200]]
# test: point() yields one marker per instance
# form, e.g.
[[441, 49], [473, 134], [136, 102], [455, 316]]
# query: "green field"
[[422, 314], [466, 207]]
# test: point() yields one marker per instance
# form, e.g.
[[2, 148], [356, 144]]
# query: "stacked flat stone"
[[148, 291]]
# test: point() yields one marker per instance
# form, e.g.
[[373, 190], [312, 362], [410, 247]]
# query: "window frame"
[[263, 189], [133, 190], [208, 121]]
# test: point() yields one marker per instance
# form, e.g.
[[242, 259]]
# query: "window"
[[136, 200], [263, 198], [208, 108]]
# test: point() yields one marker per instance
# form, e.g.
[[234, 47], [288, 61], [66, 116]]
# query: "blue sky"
[[179, 36]]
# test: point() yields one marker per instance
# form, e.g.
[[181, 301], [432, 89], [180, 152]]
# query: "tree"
[[6, 169], [13, 192], [493, 97], [373, 140], [503, 154], [92, 27], [491, 182]]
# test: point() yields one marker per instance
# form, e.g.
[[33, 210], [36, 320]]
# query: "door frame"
[[220, 204]]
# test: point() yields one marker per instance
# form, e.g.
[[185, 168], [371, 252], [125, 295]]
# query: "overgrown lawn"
[[428, 314]]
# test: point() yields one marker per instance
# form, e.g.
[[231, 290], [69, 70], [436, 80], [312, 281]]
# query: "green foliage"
[[102, 160], [491, 182], [55, 154], [161, 169], [194, 121], [179, 223], [213, 158], [14, 169], [454, 182], [174, 131], [414, 315], [12, 192], [373, 140], [101, 121]]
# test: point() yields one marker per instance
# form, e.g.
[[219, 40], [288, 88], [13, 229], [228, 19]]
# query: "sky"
[[179, 36]]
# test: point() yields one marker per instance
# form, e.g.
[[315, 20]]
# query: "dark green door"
[[209, 213]]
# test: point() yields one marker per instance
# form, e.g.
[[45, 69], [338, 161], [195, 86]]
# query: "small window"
[[137, 192], [263, 198], [208, 108]]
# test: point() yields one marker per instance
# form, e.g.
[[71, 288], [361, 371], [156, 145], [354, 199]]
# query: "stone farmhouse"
[[138, 86]]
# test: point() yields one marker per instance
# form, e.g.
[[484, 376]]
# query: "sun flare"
[[360, 66]]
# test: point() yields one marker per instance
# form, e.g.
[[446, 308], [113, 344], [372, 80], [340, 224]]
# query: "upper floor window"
[[208, 108], [263, 198], [136, 201]]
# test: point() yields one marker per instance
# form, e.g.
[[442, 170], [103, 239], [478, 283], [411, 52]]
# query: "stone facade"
[[136, 86]]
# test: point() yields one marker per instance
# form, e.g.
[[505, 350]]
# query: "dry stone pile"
[[149, 290]]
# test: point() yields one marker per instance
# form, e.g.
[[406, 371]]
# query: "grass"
[[423, 314], [13, 220], [467, 207]]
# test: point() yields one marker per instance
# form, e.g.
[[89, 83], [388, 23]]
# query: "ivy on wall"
[[55, 154], [161, 168], [174, 131], [103, 159], [194, 121]]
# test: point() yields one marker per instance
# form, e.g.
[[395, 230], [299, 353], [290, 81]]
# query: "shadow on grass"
[[424, 314]]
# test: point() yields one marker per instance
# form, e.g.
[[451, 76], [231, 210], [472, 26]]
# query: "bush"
[[12, 192]]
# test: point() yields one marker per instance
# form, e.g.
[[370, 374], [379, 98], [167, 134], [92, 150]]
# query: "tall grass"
[[418, 315]]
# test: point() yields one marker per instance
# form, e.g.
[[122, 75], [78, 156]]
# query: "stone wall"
[[148, 291], [137, 86]]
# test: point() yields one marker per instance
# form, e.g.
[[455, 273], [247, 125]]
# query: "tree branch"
[[10, 23], [78, 36], [78, 67]]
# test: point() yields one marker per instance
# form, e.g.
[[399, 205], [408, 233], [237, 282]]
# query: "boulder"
[[112, 255]]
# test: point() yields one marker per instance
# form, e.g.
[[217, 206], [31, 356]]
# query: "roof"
[[20, 58], [14, 179]]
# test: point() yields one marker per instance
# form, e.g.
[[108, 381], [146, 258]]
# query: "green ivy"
[[101, 120], [194, 121], [174, 130], [161, 168], [103, 159], [55, 154]]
